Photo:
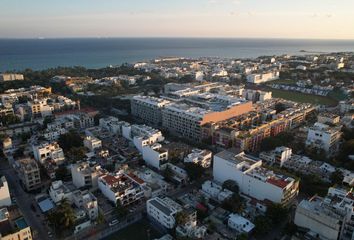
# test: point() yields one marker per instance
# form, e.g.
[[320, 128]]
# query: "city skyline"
[[316, 19]]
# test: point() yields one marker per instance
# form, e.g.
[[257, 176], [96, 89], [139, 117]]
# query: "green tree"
[[63, 217], [234, 204], [70, 140], [120, 210], [61, 173], [337, 177], [9, 119], [242, 236], [262, 225], [182, 218], [231, 185], [194, 171], [76, 154], [276, 213]]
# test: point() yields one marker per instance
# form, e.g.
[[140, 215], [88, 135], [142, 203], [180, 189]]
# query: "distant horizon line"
[[151, 37]]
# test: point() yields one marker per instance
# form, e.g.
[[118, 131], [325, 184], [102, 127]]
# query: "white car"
[[113, 222]]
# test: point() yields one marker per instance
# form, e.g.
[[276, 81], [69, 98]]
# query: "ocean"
[[37, 54]]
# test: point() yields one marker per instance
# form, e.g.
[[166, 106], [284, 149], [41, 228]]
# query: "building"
[[29, 173], [111, 124], [82, 120], [186, 121], [155, 155], [330, 217], [256, 95], [5, 198], [120, 188], [148, 109], [60, 190], [87, 201], [278, 156], [163, 210], [13, 226], [215, 191], [40, 108], [85, 175], [199, 157], [328, 118], [92, 143], [263, 77], [11, 77], [322, 136], [253, 179], [48, 151], [240, 224]]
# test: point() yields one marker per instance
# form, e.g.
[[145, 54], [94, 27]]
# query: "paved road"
[[24, 201]]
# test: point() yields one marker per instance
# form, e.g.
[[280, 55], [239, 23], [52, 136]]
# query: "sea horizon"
[[17, 54]]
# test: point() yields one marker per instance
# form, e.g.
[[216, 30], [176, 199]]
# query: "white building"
[[330, 217], [163, 210], [148, 109], [86, 175], [213, 190], [86, 201], [199, 157], [253, 179], [120, 188], [48, 151], [240, 224], [324, 137], [155, 155], [263, 77], [5, 198], [92, 143], [10, 77], [59, 191], [111, 124], [278, 156]]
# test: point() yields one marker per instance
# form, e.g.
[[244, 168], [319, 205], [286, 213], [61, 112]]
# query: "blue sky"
[[178, 18]]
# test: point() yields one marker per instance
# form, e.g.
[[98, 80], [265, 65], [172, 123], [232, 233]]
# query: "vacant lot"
[[302, 97], [141, 230]]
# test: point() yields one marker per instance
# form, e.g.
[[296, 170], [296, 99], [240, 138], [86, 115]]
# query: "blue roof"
[[46, 205]]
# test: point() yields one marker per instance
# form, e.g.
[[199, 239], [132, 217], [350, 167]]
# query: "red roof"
[[278, 182], [110, 180], [136, 178]]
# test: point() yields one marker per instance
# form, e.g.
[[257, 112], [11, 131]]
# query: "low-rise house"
[[13, 225], [92, 143], [215, 191], [240, 224], [278, 156], [199, 157]]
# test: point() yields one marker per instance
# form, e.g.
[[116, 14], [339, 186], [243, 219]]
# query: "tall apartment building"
[[253, 179], [186, 121], [148, 109], [29, 173], [324, 137], [40, 108], [163, 210], [85, 175], [120, 188], [331, 217], [48, 151]]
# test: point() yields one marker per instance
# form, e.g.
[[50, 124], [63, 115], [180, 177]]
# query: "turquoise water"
[[21, 223], [94, 53]]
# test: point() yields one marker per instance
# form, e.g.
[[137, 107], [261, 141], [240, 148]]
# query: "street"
[[24, 201]]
